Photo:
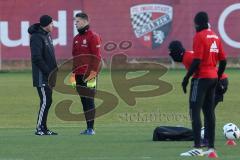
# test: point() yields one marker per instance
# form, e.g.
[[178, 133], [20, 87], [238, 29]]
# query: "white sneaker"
[[193, 152], [210, 150]]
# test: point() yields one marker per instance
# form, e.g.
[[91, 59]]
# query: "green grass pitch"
[[124, 133]]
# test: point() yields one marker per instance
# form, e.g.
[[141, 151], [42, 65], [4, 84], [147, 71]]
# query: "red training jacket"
[[86, 53], [187, 61], [208, 48]]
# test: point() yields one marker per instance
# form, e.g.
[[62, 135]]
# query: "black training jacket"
[[42, 56]]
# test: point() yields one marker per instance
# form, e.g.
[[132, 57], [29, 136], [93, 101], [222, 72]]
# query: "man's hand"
[[184, 84], [92, 75]]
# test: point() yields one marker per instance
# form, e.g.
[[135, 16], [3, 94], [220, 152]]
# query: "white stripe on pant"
[[43, 106]]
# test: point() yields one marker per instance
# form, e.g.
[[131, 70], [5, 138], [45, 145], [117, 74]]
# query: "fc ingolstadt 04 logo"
[[151, 23]]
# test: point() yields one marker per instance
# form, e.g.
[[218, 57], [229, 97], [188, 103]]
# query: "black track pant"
[[202, 97], [87, 99], [219, 94], [45, 95]]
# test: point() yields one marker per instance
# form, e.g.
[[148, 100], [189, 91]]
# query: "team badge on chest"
[[84, 41]]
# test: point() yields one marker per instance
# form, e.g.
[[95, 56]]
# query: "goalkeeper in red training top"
[[86, 66]]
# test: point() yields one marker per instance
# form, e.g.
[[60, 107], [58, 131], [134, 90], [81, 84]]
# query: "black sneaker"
[[51, 133], [40, 133]]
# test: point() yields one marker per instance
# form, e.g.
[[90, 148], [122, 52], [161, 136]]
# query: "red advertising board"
[[148, 24]]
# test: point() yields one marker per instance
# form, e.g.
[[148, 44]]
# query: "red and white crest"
[[151, 23]]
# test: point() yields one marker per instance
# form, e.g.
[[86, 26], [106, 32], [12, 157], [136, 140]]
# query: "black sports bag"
[[169, 133]]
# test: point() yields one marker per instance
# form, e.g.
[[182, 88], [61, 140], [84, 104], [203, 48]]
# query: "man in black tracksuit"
[[43, 65]]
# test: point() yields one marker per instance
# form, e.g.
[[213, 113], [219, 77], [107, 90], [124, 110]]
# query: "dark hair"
[[176, 50], [201, 21], [82, 15], [201, 18], [176, 47]]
